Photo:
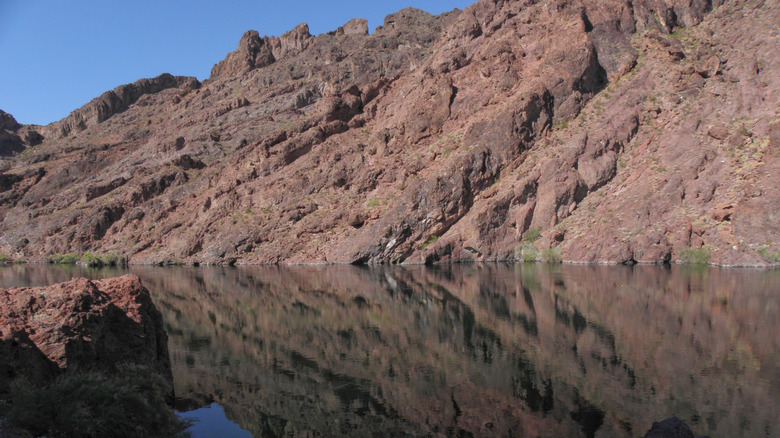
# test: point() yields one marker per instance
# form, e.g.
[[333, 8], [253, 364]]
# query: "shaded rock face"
[[670, 428], [8, 122], [9, 141], [79, 324], [14, 137], [616, 128]]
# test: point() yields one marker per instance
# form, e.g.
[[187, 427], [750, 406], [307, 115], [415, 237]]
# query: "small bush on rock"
[[64, 259], [552, 255], [695, 256], [532, 235], [527, 253]]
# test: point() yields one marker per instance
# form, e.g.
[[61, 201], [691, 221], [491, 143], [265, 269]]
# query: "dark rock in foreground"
[[79, 324], [672, 427]]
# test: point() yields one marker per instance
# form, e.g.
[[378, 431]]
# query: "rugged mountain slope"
[[623, 131]]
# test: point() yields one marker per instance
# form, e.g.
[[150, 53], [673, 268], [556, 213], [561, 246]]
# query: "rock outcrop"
[[79, 324], [617, 129], [14, 137], [119, 99], [671, 427], [10, 142], [252, 52]]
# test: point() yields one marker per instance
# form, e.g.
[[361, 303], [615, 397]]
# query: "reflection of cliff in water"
[[480, 349], [477, 349]]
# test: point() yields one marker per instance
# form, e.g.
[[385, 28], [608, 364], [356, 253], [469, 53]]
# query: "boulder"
[[709, 66], [79, 324], [672, 427], [718, 132], [722, 212], [356, 26]]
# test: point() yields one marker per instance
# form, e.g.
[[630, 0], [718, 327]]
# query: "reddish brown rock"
[[718, 132], [452, 135], [709, 67], [111, 102], [252, 52], [356, 26], [774, 137], [356, 219], [722, 212], [79, 324]]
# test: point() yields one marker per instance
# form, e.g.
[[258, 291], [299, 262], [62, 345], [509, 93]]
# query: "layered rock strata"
[[622, 131]]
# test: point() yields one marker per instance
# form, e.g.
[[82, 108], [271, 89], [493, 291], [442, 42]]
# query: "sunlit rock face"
[[622, 131]]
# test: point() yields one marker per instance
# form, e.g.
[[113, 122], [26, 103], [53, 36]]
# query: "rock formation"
[[14, 137], [671, 427], [115, 101], [621, 130], [79, 324]]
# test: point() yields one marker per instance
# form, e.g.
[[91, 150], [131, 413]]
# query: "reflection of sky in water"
[[211, 422]]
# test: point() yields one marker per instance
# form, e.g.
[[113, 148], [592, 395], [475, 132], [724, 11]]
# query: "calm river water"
[[482, 350]]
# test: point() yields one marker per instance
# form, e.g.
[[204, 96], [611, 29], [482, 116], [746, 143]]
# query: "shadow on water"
[[469, 350]]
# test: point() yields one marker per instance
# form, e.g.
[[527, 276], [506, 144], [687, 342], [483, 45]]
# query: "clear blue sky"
[[57, 55]]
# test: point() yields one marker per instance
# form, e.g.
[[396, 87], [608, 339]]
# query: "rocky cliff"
[[622, 131]]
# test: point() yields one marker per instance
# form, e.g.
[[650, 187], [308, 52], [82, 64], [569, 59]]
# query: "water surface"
[[482, 350]]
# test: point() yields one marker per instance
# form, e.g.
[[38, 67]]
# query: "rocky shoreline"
[[771, 265]]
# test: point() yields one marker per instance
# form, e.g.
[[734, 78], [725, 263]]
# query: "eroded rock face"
[[10, 142], [14, 137], [606, 125], [116, 100], [79, 324], [252, 52], [8, 122], [356, 26]]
